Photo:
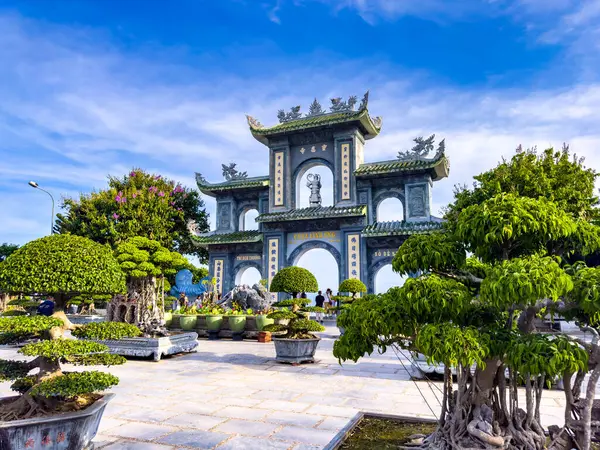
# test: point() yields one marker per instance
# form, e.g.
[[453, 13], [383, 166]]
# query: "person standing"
[[328, 301], [319, 300]]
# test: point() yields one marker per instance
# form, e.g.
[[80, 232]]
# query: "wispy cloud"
[[74, 108]]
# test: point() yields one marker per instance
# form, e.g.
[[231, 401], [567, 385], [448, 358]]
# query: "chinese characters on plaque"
[[345, 171], [353, 252]]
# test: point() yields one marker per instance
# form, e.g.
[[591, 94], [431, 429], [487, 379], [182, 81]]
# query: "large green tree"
[[519, 222], [138, 204], [6, 250]]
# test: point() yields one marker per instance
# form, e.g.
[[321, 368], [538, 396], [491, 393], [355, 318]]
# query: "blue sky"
[[89, 88]]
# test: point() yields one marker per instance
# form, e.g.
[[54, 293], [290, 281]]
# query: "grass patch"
[[374, 433]]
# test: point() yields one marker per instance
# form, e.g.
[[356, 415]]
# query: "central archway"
[[323, 260]]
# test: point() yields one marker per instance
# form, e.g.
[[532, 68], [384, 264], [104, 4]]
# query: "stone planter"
[[237, 324], [80, 319], [261, 321], [213, 325], [175, 321], [188, 323], [73, 430], [155, 347], [168, 318], [339, 439], [295, 351]]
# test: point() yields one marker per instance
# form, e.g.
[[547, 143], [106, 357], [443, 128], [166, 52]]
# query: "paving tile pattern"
[[234, 396]]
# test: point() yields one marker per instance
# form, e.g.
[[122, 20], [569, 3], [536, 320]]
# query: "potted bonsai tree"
[[351, 286], [61, 266], [298, 343]]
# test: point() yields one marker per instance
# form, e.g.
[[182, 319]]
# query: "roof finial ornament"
[[423, 147], [231, 173], [315, 109], [200, 179], [292, 115], [364, 102], [338, 105], [253, 122]]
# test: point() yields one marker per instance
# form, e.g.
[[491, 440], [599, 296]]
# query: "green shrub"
[[62, 266], [293, 280], [353, 286], [106, 330]]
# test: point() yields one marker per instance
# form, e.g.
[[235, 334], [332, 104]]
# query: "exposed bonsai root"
[[24, 407]]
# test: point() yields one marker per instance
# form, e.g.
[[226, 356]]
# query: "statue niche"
[[314, 184]]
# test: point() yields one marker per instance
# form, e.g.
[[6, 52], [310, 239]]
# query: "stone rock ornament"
[[255, 297], [314, 184]]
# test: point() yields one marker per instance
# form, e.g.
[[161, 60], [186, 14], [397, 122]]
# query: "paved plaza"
[[234, 396]]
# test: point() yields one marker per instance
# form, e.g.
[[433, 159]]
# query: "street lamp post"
[[34, 185]]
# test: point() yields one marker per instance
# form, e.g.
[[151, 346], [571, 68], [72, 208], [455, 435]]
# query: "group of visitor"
[[327, 302]]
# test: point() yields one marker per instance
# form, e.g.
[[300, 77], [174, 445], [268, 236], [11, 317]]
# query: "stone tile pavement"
[[234, 396]]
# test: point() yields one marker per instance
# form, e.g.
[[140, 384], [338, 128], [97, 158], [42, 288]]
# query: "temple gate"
[[349, 229]]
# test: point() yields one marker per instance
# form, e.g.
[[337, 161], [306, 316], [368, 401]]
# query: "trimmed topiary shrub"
[[352, 286], [106, 330], [293, 280], [63, 266]]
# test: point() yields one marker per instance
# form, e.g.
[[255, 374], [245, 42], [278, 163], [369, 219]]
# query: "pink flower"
[[132, 173], [152, 189], [161, 194], [171, 204], [115, 216], [134, 195], [157, 177]]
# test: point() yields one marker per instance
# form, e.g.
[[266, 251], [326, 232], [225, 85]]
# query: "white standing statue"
[[314, 183]]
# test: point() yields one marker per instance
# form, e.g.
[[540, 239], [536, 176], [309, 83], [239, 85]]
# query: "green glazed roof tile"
[[239, 237], [245, 183], [439, 166], [371, 125], [400, 228], [318, 212]]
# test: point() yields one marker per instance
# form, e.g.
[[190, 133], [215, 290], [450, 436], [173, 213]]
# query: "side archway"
[[243, 268], [386, 195], [244, 210]]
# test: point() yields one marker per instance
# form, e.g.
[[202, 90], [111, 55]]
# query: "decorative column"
[[353, 254], [219, 274], [272, 260]]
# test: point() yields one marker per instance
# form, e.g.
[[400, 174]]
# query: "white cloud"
[[72, 112]]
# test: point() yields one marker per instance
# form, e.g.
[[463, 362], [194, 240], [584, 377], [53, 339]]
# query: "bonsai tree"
[[293, 280], [146, 264], [62, 266], [352, 286], [51, 390], [520, 222]]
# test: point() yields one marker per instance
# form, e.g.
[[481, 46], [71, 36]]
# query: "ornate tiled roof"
[[212, 189], [239, 237], [371, 126], [439, 166], [318, 212], [400, 228]]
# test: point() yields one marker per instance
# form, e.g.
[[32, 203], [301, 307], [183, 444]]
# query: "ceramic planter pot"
[[213, 323], [188, 322], [168, 318], [73, 430], [237, 323], [295, 351], [262, 320]]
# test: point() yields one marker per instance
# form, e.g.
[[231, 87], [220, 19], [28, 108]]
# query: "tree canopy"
[[520, 222], [6, 250], [142, 257], [138, 204], [62, 266], [293, 280]]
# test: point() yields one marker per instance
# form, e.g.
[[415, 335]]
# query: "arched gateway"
[[349, 229]]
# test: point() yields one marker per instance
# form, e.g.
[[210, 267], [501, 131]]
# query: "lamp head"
[[33, 184]]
